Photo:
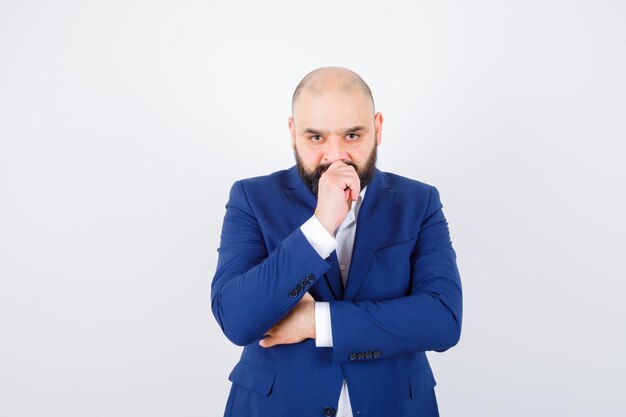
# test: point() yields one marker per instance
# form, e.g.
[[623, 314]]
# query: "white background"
[[123, 125]]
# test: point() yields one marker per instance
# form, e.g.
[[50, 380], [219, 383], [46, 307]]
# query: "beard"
[[312, 179]]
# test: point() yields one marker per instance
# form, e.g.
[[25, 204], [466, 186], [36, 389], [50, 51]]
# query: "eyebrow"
[[349, 130]]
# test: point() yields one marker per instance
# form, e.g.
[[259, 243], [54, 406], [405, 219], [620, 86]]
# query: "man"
[[336, 277]]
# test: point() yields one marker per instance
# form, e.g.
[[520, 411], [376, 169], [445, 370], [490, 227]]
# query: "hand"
[[338, 187], [297, 325]]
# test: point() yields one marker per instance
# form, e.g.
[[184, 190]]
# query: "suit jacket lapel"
[[373, 214]]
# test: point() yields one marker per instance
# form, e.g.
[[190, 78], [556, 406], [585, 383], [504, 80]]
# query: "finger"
[[342, 169], [268, 342], [355, 193], [356, 189], [269, 333], [338, 164], [352, 189]]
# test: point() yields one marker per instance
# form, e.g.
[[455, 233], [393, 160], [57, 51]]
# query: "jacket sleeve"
[[253, 289], [429, 318]]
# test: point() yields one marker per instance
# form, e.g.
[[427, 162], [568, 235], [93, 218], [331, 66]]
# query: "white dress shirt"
[[324, 244]]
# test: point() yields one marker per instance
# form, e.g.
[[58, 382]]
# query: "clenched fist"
[[338, 187]]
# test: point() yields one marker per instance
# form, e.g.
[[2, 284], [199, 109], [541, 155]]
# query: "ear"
[[292, 131], [378, 127]]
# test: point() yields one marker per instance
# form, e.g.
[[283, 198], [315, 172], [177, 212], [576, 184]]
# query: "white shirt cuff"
[[323, 330], [317, 235]]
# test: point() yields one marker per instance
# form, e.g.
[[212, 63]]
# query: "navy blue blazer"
[[403, 297]]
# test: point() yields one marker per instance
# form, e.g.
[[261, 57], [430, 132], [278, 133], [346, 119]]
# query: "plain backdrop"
[[123, 125]]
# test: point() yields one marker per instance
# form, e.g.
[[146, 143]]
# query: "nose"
[[335, 150]]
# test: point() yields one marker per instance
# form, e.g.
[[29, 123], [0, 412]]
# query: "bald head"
[[327, 80]]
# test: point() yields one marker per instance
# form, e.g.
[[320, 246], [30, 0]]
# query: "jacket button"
[[293, 293], [299, 288], [376, 353], [361, 355], [368, 355], [329, 411], [353, 356], [310, 277], [304, 283]]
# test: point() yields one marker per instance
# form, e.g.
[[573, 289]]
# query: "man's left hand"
[[296, 326]]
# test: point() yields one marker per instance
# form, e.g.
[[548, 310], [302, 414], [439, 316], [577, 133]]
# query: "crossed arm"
[[250, 291]]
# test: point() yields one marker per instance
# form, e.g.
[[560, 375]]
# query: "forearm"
[[253, 289], [248, 303], [428, 318], [418, 322]]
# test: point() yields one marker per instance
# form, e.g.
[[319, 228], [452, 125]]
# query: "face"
[[334, 126]]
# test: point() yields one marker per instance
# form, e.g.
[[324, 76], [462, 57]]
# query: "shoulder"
[[260, 186], [277, 177], [411, 192], [274, 180], [405, 184]]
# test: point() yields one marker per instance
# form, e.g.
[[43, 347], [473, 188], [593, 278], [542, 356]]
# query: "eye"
[[315, 138], [352, 136]]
